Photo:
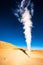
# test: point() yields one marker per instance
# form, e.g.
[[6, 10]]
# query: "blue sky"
[[11, 29]]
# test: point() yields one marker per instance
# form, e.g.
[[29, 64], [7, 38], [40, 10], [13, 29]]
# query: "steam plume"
[[26, 20], [24, 16]]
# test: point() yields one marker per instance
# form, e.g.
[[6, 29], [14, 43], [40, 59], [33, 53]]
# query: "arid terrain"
[[12, 55]]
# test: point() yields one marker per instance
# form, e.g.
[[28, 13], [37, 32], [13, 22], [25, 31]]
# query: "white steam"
[[26, 20], [24, 16]]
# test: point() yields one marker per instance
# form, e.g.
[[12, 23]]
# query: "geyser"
[[26, 20], [24, 16]]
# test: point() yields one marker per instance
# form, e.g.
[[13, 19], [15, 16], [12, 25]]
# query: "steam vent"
[[12, 55]]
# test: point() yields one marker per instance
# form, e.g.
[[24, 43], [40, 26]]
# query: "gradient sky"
[[11, 29]]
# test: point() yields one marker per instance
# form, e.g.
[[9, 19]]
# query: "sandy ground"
[[12, 55]]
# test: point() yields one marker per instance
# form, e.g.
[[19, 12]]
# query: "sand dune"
[[12, 55]]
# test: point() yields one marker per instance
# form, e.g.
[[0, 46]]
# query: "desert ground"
[[12, 55]]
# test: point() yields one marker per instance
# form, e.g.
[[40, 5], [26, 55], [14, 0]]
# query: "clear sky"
[[11, 29]]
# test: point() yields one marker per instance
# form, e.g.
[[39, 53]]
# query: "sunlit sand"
[[12, 55]]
